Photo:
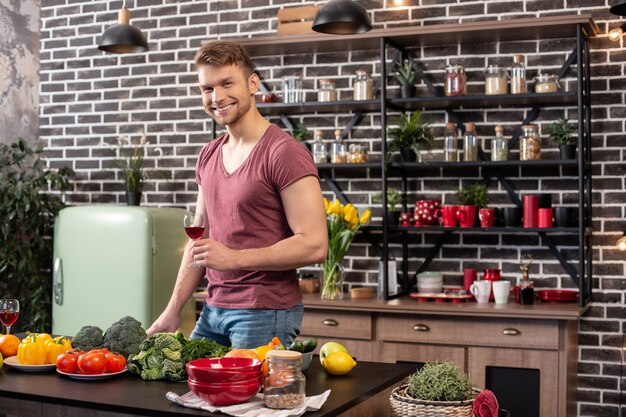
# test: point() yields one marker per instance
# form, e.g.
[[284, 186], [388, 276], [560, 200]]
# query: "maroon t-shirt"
[[244, 210]]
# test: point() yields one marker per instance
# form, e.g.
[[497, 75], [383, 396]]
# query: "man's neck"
[[249, 129]]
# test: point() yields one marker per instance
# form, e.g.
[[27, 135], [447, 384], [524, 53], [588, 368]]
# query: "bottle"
[[518, 75], [320, 154], [338, 152], [284, 384], [530, 143], [499, 145], [526, 292], [363, 86], [327, 91], [456, 81], [470, 143], [451, 143]]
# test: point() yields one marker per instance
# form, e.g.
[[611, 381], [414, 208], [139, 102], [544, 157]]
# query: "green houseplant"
[[410, 138], [28, 210], [563, 134], [471, 199], [394, 198], [131, 165], [407, 73], [301, 133]]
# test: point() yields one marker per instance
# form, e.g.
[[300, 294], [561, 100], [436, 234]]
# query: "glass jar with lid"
[[518, 75], [530, 143], [470, 143], [327, 91], [547, 83], [499, 145], [338, 151], [363, 86], [456, 81], [320, 153], [495, 80], [357, 154], [284, 385], [451, 143]]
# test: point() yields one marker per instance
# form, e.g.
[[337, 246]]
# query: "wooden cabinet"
[[525, 354]]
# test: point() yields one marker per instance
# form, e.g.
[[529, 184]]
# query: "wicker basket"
[[404, 406]]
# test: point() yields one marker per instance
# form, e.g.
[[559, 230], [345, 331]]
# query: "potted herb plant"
[[563, 133], [471, 199], [407, 73], [394, 198], [439, 388], [410, 138], [301, 133], [132, 171]]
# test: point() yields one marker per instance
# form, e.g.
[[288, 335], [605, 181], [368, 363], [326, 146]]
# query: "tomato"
[[115, 362], [92, 362], [101, 350], [67, 362]]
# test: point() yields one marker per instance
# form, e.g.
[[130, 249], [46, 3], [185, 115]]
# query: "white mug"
[[481, 290], [501, 291]]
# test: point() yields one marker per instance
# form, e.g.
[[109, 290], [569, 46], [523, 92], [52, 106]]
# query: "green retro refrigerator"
[[115, 261]]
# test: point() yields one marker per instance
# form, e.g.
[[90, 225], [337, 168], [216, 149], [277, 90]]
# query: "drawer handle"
[[330, 322], [511, 332], [421, 328]]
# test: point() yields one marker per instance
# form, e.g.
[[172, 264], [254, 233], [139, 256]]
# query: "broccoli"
[[124, 336], [87, 338], [159, 357]]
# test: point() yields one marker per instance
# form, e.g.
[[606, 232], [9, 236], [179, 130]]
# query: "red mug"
[[469, 276], [544, 217], [531, 210], [447, 216], [466, 215], [405, 219], [487, 217], [426, 212]]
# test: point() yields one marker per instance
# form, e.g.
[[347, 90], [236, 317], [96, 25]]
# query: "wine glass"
[[194, 227], [9, 310]]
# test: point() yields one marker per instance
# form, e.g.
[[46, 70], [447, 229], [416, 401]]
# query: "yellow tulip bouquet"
[[343, 222]]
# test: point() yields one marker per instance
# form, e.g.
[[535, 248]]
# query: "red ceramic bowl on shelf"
[[227, 393], [220, 370]]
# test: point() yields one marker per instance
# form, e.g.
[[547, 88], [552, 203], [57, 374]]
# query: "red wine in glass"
[[9, 311], [194, 227], [194, 232]]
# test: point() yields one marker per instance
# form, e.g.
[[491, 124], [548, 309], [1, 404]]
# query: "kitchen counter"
[[365, 390]]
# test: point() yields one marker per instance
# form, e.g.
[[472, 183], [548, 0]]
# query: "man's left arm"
[[304, 208]]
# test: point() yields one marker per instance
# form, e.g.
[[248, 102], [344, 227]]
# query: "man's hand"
[[208, 253], [167, 322]]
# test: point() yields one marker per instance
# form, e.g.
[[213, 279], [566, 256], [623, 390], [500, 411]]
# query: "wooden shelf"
[[417, 36], [315, 106], [496, 229], [356, 167]]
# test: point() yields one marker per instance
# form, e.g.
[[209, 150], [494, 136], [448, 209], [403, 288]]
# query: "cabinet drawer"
[[538, 334], [353, 325]]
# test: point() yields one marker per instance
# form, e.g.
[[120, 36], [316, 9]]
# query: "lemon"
[[338, 363]]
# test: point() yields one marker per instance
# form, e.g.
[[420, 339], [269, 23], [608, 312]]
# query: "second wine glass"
[[9, 311]]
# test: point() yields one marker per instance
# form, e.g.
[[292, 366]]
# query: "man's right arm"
[[187, 280]]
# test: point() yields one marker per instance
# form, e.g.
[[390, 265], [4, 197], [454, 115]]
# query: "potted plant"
[[301, 133], [439, 388], [132, 171], [563, 133], [407, 73], [394, 198], [410, 138], [471, 198]]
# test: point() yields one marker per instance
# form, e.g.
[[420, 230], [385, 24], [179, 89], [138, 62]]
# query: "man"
[[264, 215]]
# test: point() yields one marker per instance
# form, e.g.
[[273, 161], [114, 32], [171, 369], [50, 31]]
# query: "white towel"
[[254, 407]]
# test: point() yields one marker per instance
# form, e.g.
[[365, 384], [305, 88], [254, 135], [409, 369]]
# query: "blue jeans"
[[248, 328]]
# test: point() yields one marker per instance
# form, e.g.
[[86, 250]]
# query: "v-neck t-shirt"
[[244, 210]]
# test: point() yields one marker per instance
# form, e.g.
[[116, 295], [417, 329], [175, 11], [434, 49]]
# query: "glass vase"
[[332, 283]]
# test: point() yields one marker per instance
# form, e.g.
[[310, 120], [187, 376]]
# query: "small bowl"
[[221, 370], [226, 393], [306, 360]]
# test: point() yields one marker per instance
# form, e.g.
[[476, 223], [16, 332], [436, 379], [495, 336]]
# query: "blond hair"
[[222, 53]]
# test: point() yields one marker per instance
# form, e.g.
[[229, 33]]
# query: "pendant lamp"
[[123, 38], [342, 17], [618, 7], [621, 243]]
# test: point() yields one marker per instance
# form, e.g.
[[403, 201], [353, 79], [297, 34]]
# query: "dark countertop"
[[128, 393]]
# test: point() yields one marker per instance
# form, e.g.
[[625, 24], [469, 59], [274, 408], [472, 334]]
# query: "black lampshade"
[[618, 7], [342, 17], [123, 38]]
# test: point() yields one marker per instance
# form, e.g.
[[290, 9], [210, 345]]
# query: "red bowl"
[[226, 393], [217, 370]]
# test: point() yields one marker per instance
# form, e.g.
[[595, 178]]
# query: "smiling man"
[[260, 194]]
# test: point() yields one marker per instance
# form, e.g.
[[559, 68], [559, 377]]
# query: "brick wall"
[[89, 99]]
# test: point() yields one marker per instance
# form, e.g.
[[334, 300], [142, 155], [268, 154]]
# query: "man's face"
[[226, 92]]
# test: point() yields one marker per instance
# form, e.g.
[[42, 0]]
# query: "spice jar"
[[338, 152], [495, 80], [284, 384], [518, 75], [499, 145], [547, 83], [530, 143], [320, 154], [292, 89], [357, 154], [363, 86], [470, 143], [327, 91], [456, 81], [450, 143]]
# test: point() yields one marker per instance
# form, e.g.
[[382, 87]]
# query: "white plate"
[[91, 376], [12, 362]]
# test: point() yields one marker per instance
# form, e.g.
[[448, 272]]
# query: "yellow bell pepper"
[[56, 346], [31, 351], [42, 337]]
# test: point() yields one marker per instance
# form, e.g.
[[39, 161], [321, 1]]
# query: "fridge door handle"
[[57, 281]]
